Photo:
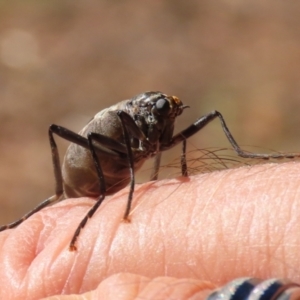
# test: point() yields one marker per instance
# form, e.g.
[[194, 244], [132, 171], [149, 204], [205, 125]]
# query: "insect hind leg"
[[45, 203], [58, 184]]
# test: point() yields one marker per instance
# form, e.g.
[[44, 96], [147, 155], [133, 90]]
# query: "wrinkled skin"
[[187, 236]]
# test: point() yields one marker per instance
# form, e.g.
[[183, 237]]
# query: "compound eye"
[[163, 106]]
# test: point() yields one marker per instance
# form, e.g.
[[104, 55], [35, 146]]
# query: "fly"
[[104, 156]]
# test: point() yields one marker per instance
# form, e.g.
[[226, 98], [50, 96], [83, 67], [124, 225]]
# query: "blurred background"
[[63, 61]]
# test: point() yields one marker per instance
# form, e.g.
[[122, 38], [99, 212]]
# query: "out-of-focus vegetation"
[[62, 61]]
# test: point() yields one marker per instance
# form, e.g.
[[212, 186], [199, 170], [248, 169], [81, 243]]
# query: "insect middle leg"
[[99, 138], [203, 121], [100, 199], [98, 144]]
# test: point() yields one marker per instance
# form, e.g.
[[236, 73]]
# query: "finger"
[[128, 286], [216, 226]]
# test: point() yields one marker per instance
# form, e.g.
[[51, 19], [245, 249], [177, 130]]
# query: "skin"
[[187, 236]]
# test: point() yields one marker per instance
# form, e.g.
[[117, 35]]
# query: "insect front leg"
[[203, 121], [157, 160], [184, 171], [129, 125], [156, 165], [58, 185]]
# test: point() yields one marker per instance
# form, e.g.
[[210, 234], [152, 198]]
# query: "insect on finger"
[[105, 155]]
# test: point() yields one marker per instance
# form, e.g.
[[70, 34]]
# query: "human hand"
[[186, 237]]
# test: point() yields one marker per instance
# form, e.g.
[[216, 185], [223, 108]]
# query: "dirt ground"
[[63, 61]]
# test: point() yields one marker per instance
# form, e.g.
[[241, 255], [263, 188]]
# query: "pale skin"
[[186, 237]]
